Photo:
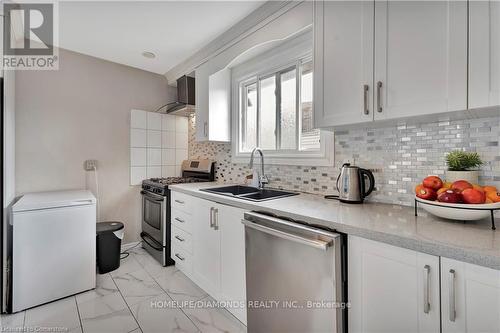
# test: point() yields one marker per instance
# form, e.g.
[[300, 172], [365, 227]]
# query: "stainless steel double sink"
[[248, 192]]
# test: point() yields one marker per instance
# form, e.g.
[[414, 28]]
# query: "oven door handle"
[[155, 197], [145, 238]]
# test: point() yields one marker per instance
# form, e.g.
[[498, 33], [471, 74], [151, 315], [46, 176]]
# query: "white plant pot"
[[470, 176]]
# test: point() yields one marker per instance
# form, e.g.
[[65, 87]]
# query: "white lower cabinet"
[[233, 278], [206, 247], [470, 297], [391, 289], [216, 239]]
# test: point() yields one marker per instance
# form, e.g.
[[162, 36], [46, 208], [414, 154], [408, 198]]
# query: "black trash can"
[[109, 241]]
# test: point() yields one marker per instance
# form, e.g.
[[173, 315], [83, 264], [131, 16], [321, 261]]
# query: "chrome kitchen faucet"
[[263, 180]]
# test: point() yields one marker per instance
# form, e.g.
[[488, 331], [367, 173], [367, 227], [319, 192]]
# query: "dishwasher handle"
[[313, 242]]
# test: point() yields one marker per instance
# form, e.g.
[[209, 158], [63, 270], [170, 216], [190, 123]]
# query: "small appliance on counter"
[[351, 183], [156, 228]]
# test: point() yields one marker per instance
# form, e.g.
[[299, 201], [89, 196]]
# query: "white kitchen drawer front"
[[182, 202], [183, 260], [182, 239], [182, 220]]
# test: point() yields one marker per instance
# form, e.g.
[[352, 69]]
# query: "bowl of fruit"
[[459, 200]]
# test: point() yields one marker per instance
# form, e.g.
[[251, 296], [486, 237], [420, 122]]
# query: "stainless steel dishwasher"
[[294, 276]]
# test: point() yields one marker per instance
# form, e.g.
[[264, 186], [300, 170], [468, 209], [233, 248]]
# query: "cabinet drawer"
[[182, 202], [182, 239], [183, 259], [181, 220]]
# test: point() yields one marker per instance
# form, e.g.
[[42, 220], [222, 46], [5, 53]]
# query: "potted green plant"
[[463, 165]]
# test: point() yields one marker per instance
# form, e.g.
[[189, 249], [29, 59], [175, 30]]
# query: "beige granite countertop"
[[472, 242]]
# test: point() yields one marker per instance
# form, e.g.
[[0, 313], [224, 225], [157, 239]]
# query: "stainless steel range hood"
[[185, 104]]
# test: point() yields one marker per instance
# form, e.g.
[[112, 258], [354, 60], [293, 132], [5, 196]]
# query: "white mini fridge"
[[53, 247]]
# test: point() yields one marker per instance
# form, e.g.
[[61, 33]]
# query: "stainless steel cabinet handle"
[[179, 220], [216, 218], [316, 243], [180, 238], [451, 286], [427, 275], [379, 102], [211, 217], [205, 129], [179, 256], [179, 201], [366, 88]]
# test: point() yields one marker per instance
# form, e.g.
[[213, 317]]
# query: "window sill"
[[325, 157], [298, 160]]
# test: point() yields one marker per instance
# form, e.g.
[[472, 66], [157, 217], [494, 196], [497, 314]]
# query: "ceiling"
[[120, 31]]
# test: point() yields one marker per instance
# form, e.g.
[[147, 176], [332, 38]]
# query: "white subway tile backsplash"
[[138, 119], [180, 155], [154, 121], [137, 174], [169, 171], [138, 157], [181, 140], [168, 139], [181, 124], [168, 157], [138, 137], [154, 157], [154, 139], [153, 172], [168, 122], [153, 148]]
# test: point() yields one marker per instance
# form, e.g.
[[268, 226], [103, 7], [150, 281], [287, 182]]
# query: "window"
[[276, 111], [272, 106]]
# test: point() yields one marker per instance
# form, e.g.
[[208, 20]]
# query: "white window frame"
[[283, 57]]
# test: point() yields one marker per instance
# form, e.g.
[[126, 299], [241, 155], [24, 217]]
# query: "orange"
[[493, 196], [418, 188], [446, 185], [488, 200], [490, 189], [478, 187]]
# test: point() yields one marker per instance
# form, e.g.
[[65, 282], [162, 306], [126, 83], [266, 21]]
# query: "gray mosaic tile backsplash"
[[400, 157]]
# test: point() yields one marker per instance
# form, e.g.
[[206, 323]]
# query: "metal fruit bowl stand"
[[463, 212]]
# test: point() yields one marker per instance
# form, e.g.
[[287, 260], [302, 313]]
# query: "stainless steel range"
[[155, 232]]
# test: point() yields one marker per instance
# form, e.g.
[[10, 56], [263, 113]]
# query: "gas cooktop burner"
[[176, 180]]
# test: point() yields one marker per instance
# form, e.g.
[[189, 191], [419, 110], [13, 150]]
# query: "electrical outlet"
[[90, 165]]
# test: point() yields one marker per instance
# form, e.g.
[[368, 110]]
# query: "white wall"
[[8, 130], [79, 112], [9, 137]]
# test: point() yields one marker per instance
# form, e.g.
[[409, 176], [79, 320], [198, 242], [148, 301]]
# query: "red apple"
[[433, 182], [427, 194], [473, 196], [450, 196], [461, 185]]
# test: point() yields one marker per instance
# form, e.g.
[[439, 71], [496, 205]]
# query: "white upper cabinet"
[[219, 101], [420, 57], [213, 100], [377, 60], [484, 53], [392, 289], [470, 298], [343, 62]]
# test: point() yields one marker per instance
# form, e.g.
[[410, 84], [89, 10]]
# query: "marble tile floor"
[[138, 297]]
